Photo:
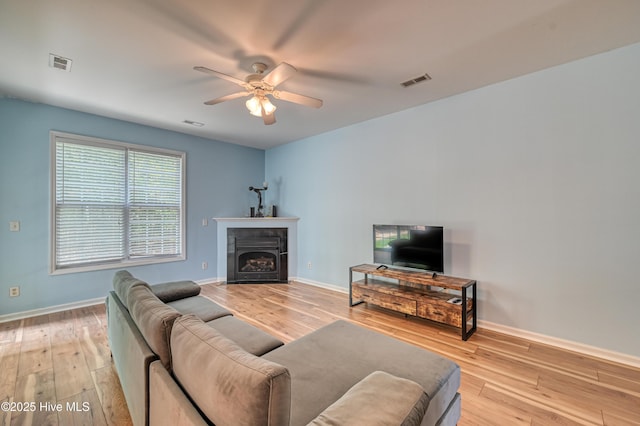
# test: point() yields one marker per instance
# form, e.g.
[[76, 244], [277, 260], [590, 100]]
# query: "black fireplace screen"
[[257, 255]]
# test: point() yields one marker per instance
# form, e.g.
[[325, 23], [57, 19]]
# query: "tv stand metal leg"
[[351, 304]]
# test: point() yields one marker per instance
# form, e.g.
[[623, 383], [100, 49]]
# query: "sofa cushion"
[[377, 400], [315, 386], [123, 281], [200, 306], [229, 385], [168, 292], [154, 320], [248, 337]]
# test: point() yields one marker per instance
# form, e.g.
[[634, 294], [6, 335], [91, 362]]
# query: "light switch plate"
[[14, 226]]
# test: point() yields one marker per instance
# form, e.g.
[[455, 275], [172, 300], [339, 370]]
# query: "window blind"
[[154, 204], [115, 204]]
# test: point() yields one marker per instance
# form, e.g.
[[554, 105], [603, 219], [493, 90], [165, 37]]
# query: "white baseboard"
[[320, 284], [51, 309], [562, 343], [210, 280]]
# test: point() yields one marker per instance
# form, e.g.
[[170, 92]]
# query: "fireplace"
[[257, 255]]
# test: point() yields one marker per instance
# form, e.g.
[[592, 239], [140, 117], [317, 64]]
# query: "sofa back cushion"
[[229, 385], [123, 282], [154, 320], [176, 290]]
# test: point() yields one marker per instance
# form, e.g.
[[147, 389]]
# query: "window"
[[114, 204]]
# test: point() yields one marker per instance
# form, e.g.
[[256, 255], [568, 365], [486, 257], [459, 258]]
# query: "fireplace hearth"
[[257, 255]]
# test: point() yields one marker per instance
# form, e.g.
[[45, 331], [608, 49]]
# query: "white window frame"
[[87, 140]]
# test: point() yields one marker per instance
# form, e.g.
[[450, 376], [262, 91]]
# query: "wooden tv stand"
[[417, 293]]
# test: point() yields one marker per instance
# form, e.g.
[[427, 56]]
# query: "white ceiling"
[[134, 59]]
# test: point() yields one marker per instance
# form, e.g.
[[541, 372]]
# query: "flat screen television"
[[410, 246]]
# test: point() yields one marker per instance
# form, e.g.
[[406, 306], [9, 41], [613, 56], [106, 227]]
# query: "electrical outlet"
[[205, 222], [14, 291], [205, 265], [309, 265]]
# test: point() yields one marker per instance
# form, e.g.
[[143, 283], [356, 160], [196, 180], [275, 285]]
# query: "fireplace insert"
[[257, 255]]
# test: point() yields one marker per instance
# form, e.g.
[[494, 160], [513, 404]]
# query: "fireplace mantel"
[[223, 223], [270, 220]]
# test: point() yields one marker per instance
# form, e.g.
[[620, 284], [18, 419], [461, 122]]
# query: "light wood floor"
[[64, 357], [60, 358]]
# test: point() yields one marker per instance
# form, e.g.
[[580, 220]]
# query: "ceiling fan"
[[261, 85]]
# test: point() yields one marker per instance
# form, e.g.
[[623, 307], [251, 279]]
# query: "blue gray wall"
[[536, 181], [218, 175]]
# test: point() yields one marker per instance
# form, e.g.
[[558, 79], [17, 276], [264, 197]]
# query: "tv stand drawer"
[[396, 303], [451, 315]]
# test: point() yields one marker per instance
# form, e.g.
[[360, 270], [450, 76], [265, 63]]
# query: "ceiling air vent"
[[420, 79], [59, 62], [193, 123]]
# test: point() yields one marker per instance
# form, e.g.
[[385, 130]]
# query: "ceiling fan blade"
[[227, 98], [268, 118], [221, 75], [279, 74], [297, 99]]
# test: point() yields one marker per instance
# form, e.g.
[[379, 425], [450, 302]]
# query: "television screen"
[[411, 246]]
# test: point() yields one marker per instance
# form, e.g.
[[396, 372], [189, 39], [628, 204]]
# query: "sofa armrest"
[[378, 399], [131, 358], [168, 292]]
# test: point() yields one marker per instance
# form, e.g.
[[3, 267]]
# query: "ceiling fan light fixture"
[[257, 103], [254, 107], [269, 108]]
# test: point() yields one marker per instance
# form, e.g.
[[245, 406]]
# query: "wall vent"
[[193, 123], [420, 79], [59, 62]]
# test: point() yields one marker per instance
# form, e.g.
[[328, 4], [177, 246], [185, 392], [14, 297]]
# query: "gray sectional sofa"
[[182, 359]]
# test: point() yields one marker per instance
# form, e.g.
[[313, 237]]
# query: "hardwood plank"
[[471, 386], [37, 388], [505, 365], [619, 419], [537, 411], [95, 347], [35, 356], [61, 325], [10, 331], [477, 410], [35, 328], [70, 368], [89, 317], [626, 384], [9, 356], [82, 409], [587, 396], [112, 402], [503, 342], [567, 361]]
